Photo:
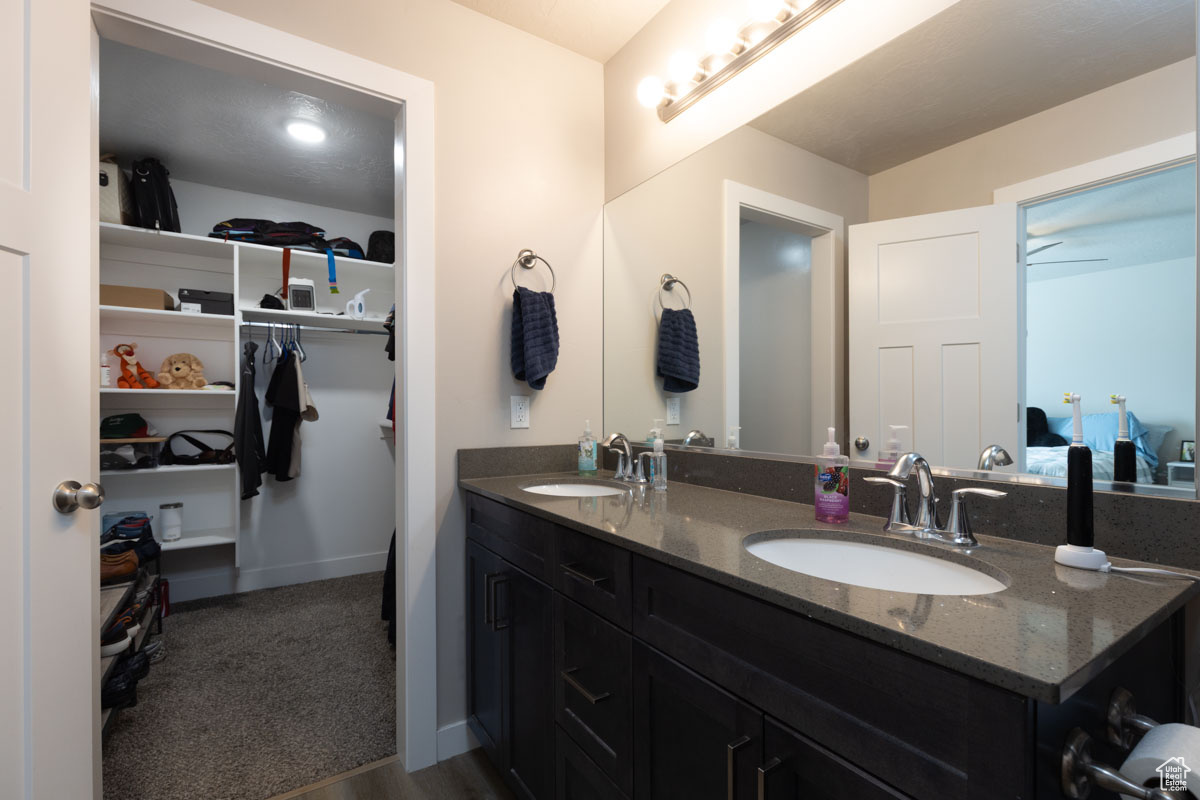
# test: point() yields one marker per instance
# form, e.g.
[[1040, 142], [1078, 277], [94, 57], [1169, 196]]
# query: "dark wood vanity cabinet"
[[595, 673]]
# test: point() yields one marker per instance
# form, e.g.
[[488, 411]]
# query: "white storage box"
[[116, 198]]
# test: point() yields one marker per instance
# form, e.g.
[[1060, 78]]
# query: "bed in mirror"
[[927, 249]]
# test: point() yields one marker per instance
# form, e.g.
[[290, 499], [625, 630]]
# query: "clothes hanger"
[[300, 347]]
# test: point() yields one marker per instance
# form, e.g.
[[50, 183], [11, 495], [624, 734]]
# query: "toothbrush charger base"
[[1070, 555]]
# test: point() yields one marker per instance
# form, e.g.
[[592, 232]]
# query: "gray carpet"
[[261, 693]]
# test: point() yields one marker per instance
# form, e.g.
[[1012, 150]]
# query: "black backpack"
[[153, 201], [381, 247]]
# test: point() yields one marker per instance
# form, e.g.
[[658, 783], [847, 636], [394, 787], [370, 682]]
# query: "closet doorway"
[[56, 745]]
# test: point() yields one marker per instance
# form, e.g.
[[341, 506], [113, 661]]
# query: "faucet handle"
[[959, 528], [898, 519]]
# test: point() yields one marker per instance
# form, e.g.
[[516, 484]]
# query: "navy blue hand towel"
[[534, 336], [678, 351]]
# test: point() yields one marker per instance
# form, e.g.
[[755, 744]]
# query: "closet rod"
[[316, 328]]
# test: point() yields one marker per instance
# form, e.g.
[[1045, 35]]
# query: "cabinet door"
[[485, 673], [578, 778], [691, 738], [525, 612], [796, 768]]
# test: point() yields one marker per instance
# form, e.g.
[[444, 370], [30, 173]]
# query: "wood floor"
[[470, 775]]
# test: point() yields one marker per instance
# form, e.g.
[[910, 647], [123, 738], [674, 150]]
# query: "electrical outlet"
[[672, 410], [520, 411]]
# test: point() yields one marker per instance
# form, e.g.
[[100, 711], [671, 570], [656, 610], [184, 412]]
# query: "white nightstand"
[[1181, 474]]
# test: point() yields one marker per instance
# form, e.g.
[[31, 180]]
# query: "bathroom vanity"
[[630, 647]]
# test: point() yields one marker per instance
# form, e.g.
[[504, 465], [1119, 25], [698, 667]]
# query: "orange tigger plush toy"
[[133, 375]]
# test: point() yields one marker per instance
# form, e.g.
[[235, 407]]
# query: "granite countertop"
[[1045, 636]]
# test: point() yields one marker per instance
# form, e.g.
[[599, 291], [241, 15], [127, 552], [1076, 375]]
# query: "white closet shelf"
[[184, 244], [202, 538], [219, 323], [312, 319], [260, 256], [168, 469], [166, 398]]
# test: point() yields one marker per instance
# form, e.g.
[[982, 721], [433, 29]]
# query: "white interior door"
[[49, 573], [933, 333]]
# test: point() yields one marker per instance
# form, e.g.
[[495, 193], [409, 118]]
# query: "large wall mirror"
[[933, 244]]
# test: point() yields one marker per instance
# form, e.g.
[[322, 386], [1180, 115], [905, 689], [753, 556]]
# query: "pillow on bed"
[[1100, 433]]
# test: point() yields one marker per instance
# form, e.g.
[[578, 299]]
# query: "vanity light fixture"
[[307, 132], [730, 50]]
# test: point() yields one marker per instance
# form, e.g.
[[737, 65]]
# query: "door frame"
[[195, 26], [1165, 154], [827, 312]]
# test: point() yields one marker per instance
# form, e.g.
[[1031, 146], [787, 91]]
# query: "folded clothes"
[[678, 351], [534, 336]]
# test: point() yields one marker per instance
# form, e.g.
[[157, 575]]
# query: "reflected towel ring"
[[667, 282], [528, 259]]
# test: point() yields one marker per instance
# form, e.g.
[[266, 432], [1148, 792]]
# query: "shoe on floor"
[[120, 691], [155, 650], [114, 640], [137, 665], [118, 567]]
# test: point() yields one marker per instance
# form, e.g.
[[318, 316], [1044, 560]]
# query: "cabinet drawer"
[[796, 768], [942, 735], [593, 693], [577, 777], [521, 539], [595, 574]]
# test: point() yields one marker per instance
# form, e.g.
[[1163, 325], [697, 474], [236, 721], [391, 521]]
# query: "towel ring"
[[527, 259], [667, 282]]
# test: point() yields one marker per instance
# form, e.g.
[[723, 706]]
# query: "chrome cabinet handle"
[[730, 757], [71, 495], [496, 626], [580, 575], [489, 600], [568, 675], [765, 770]]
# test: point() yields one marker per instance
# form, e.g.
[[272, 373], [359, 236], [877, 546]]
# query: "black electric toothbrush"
[[1081, 535], [1124, 451]]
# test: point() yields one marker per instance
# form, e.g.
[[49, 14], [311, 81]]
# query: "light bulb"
[[682, 68], [306, 132], [650, 91], [765, 10], [721, 36]]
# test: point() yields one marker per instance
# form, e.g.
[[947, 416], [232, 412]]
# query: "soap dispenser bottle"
[[891, 451], [831, 485], [587, 451], [1124, 450]]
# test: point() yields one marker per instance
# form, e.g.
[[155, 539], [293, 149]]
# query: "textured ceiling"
[[216, 128], [593, 29], [1141, 221], [976, 66]]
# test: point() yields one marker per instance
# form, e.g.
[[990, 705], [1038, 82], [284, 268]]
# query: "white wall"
[[638, 145], [1128, 331], [675, 224], [775, 339], [520, 163], [202, 206], [1143, 110]]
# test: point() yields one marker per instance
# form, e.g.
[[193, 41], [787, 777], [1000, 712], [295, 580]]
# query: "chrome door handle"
[[70, 495], [731, 765], [568, 675], [763, 772]]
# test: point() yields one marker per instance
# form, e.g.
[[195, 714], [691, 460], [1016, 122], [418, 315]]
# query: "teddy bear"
[[182, 371], [133, 374]]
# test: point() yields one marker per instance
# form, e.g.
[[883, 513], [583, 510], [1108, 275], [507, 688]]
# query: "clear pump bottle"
[[831, 484]]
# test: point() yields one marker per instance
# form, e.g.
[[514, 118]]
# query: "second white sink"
[[874, 566], [579, 489]]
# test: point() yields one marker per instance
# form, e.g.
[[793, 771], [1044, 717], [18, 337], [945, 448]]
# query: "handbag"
[[205, 454]]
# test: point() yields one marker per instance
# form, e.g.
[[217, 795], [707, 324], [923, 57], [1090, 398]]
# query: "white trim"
[[827, 313], [455, 739], [216, 582], [1177, 148], [416, 499]]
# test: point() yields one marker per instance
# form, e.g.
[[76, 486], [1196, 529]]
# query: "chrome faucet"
[[994, 456], [694, 433], [926, 522], [624, 459]]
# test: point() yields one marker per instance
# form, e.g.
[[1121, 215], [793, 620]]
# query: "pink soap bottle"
[[831, 484]]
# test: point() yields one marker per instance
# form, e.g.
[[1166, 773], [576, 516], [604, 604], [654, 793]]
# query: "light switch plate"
[[520, 411], [672, 410]]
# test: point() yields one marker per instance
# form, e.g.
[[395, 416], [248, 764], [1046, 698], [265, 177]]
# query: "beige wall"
[[638, 145], [674, 223], [520, 153], [1140, 111]]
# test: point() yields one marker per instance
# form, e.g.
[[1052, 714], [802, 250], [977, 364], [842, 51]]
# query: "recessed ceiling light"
[[306, 132]]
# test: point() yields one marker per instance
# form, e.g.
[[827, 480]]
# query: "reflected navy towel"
[[534, 336], [678, 351]]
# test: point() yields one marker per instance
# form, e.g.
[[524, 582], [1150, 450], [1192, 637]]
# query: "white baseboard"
[[227, 580], [454, 740]]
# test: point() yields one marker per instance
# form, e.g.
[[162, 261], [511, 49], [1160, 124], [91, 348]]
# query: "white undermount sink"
[[874, 566], [577, 489]]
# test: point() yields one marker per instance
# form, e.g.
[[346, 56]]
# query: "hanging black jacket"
[[247, 428]]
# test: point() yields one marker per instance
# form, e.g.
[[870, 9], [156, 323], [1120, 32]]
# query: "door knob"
[[70, 495], [862, 443]]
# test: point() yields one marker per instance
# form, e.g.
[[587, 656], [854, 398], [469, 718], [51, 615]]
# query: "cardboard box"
[[135, 297]]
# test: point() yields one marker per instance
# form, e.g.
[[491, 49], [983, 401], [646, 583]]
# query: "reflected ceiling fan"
[[1037, 250]]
